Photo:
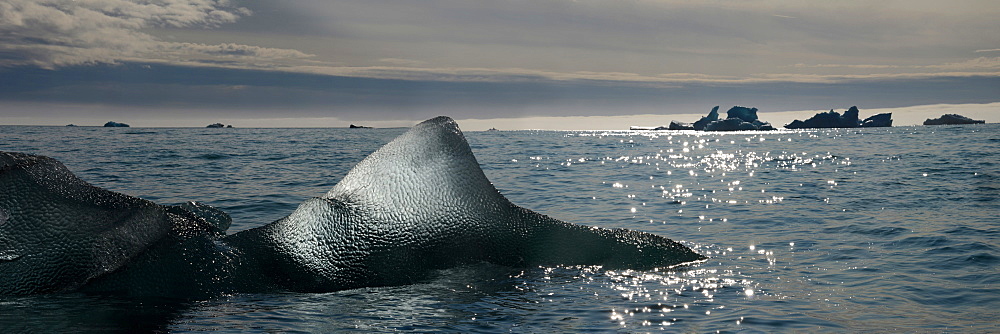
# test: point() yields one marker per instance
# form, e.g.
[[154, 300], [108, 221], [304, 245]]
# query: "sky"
[[511, 64]]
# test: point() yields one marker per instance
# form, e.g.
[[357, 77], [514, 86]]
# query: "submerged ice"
[[418, 204]]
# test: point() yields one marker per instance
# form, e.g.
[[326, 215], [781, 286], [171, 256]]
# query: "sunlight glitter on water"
[[701, 169], [704, 175], [665, 297]]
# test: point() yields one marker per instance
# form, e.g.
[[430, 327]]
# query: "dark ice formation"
[[830, 119], [878, 121], [418, 204], [737, 119], [949, 119], [113, 124], [743, 113], [712, 116], [833, 119]]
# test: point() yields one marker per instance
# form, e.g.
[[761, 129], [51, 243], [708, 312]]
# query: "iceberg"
[[113, 124], [418, 204], [833, 119], [738, 119], [949, 119]]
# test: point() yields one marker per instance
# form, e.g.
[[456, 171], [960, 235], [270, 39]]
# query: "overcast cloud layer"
[[385, 60]]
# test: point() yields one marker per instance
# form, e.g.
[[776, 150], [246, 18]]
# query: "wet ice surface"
[[826, 230]]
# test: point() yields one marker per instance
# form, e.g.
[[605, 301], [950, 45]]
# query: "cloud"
[[238, 55], [981, 63], [862, 66], [54, 33], [980, 67], [401, 53], [405, 62], [650, 33], [984, 63]]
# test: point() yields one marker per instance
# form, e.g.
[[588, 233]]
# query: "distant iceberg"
[[948, 119], [833, 119], [113, 124], [737, 119]]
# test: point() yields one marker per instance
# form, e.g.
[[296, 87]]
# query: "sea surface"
[[832, 230]]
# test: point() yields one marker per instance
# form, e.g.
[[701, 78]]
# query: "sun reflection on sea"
[[696, 181]]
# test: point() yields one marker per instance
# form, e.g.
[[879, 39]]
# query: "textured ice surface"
[[418, 204], [421, 203], [59, 232]]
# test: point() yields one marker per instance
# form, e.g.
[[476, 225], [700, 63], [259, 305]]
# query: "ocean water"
[[833, 230]]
